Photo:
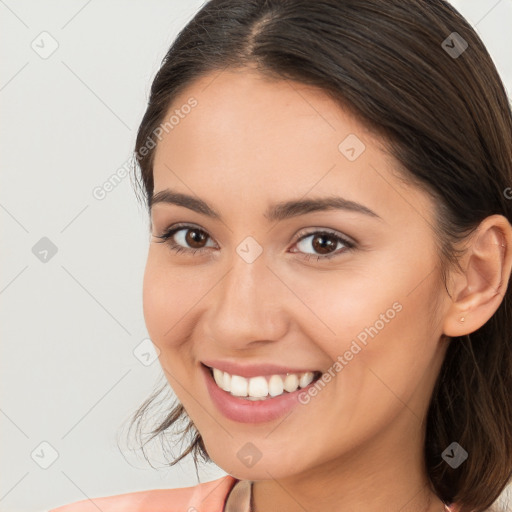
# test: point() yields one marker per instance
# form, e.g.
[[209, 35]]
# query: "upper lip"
[[253, 370]]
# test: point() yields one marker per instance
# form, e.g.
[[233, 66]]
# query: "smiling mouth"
[[264, 386]]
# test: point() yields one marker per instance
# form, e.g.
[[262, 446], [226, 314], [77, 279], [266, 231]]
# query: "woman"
[[328, 184]]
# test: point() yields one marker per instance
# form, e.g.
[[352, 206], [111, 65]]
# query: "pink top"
[[206, 497]]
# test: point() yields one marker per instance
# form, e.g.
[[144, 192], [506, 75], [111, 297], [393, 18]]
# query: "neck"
[[372, 479]]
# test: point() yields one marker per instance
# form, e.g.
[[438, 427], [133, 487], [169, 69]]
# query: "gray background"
[[70, 324]]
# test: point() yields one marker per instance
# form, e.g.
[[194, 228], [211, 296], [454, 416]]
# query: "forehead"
[[252, 139], [241, 109]]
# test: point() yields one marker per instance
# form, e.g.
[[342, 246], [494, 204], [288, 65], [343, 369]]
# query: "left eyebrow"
[[276, 212], [288, 209]]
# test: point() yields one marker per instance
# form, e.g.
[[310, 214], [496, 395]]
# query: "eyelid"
[[170, 231], [300, 235], [177, 226], [317, 230]]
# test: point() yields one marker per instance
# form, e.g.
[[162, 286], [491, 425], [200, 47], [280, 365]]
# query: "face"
[[346, 289]]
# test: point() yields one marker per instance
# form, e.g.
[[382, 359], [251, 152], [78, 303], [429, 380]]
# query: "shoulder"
[[207, 496]]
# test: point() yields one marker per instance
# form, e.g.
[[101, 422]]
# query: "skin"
[[359, 442]]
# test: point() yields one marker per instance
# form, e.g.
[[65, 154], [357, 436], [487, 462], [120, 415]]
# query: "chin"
[[264, 469]]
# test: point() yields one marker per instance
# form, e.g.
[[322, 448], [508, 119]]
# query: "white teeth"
[[257, 388], [275, 385], [239, 385], [226, 382], [218, 376], [306, 379], [291, 382], [222, 379]]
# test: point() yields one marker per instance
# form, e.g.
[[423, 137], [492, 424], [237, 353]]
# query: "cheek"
[[162, 299], [165, 306], [387, 354], [376, 317]]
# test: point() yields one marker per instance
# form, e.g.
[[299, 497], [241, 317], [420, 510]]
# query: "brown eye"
[[195, 238], [323, 244], [185, 239]]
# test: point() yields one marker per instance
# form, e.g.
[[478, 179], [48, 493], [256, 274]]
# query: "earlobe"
[[479, 289]]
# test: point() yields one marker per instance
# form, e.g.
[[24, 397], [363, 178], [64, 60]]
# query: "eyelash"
[[166, 237]]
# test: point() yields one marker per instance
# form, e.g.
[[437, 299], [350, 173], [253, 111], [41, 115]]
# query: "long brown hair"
[[438, 102]]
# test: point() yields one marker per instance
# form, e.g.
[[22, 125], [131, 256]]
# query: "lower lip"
[[250, 411]]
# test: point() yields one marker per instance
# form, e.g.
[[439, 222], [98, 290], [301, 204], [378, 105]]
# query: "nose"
[[248, 306]]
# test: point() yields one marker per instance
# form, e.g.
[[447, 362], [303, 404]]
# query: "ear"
[[478, 291]]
